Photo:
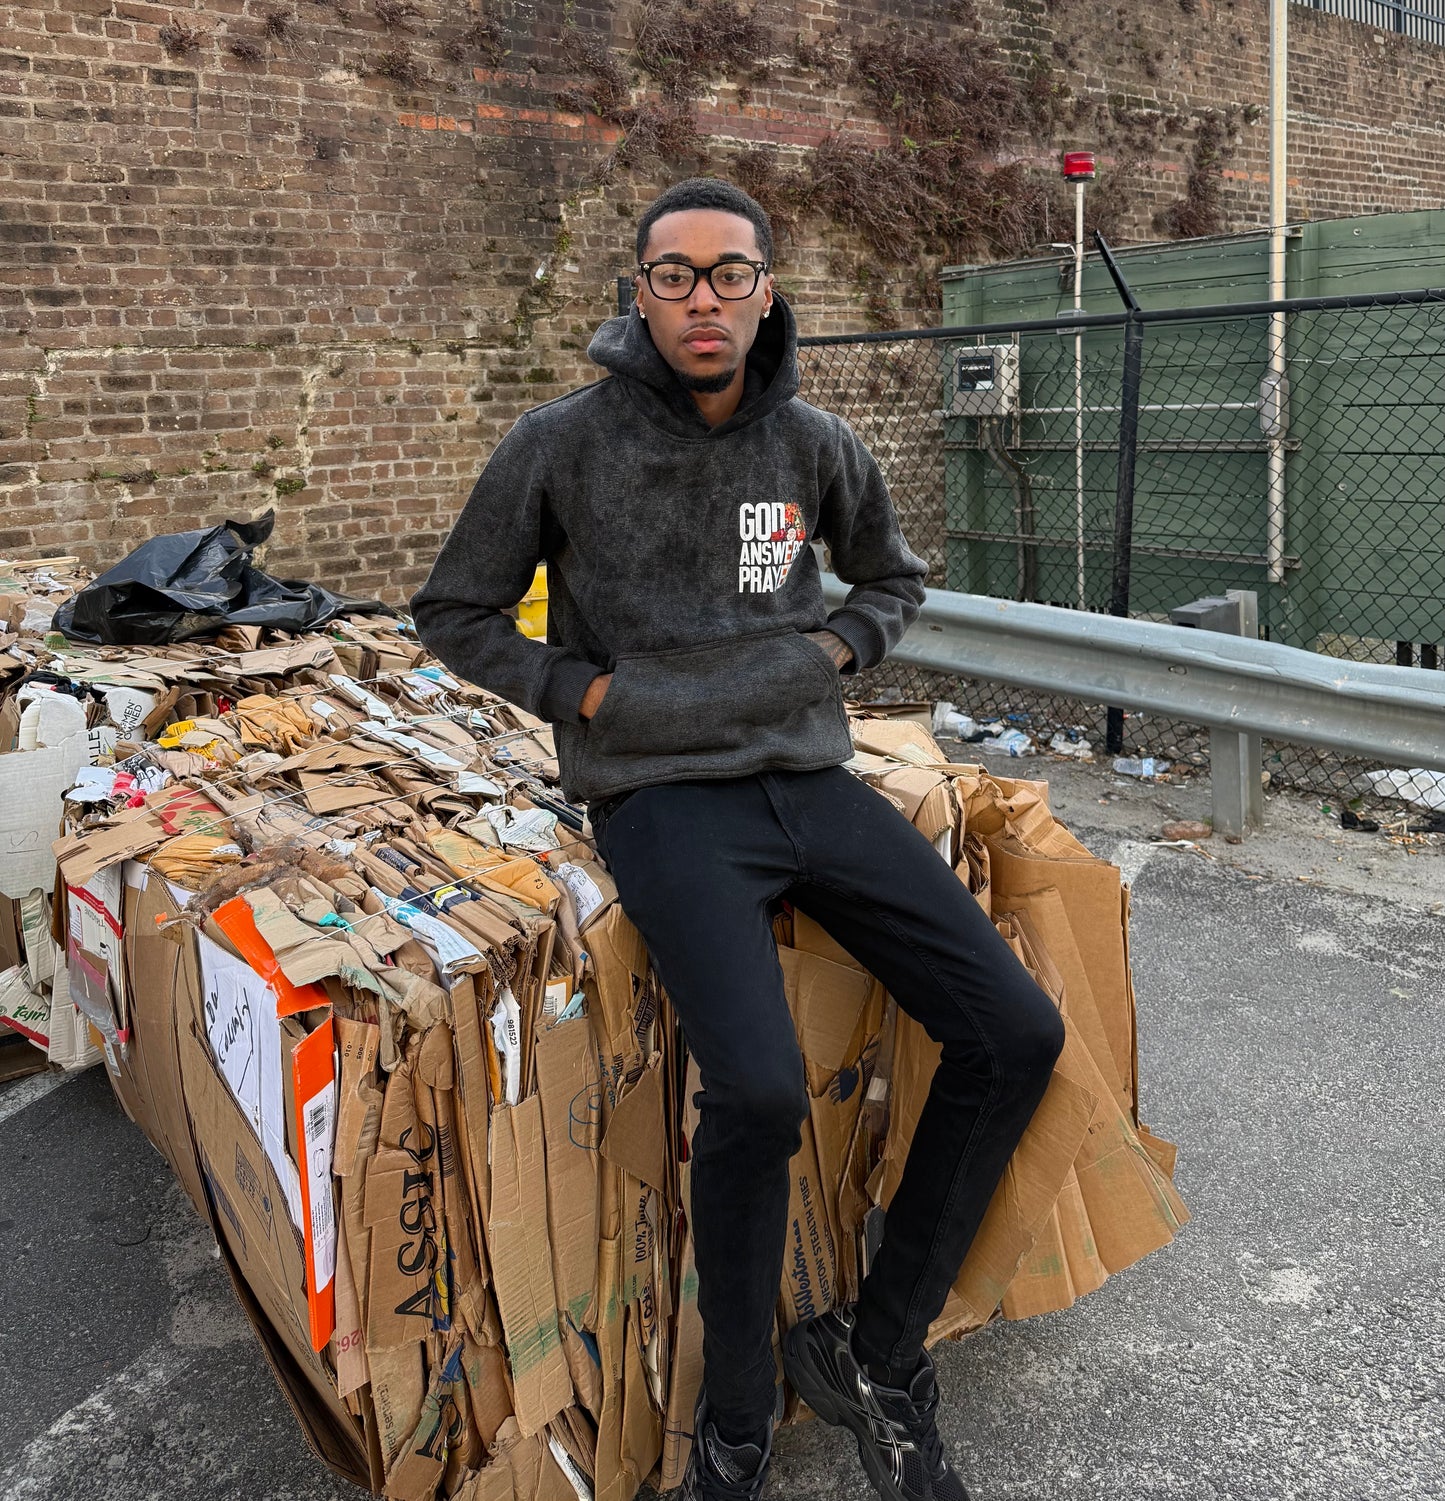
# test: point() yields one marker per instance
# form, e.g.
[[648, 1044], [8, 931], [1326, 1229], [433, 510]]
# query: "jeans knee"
[[763, 1108], [1033, 1045]]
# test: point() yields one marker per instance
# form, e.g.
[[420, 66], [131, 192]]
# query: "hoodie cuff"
[[564, 687], [863, 638]]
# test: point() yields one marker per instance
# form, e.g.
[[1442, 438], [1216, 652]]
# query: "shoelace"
[[923, 1429]]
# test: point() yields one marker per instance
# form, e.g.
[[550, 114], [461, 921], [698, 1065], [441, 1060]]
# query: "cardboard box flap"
[[905, 739], [161, 966], [637, 1136], [568, 1090], [31, 785], [835, 1009], [1026, 1194], [522, 1265], [1089, 890]]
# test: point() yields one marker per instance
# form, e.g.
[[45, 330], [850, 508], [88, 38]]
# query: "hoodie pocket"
[[712, 698]]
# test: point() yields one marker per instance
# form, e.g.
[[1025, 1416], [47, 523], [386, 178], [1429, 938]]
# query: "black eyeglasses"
[[674, 280]]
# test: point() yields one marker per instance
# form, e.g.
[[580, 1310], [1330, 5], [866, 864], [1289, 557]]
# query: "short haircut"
[[707, 192]]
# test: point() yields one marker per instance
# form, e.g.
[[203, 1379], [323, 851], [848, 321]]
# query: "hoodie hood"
[[623, 346]]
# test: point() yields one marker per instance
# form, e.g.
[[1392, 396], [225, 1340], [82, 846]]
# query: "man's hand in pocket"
[[834, 645], [596, 692]]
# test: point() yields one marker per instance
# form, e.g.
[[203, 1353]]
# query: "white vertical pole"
[[1079, 390], [1278, 213]]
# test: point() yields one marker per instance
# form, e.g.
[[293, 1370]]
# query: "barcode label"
[[318, 1117]]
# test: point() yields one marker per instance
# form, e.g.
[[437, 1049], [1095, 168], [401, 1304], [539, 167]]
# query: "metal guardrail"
[[1395, 714]]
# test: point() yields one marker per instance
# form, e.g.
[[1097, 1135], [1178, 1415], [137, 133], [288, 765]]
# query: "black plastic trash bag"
[[187, 585]]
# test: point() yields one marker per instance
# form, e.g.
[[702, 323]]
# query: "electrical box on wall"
[[985, 381]]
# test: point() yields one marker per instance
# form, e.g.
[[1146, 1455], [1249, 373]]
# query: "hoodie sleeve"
[[485, 567], [860, 526]]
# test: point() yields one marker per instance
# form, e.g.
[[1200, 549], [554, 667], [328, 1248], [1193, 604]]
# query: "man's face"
[[704, 337]]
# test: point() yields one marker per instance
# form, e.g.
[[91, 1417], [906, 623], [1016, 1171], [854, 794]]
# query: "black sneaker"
[[721, 1472], [896, 1430]]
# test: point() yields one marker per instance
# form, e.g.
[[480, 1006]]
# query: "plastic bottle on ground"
[[1145, 768]]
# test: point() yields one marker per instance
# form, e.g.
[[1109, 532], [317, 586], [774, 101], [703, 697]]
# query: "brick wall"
[[324, 258]]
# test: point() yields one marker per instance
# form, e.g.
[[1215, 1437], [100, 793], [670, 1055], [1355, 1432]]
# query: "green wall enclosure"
[[1364, 441]]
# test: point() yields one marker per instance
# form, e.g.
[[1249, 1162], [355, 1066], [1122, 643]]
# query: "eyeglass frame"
[[760, 269]]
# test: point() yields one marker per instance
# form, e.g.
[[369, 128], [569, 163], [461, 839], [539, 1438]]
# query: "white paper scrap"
[[568, 1467], [449, 951], [378, 708], [234, 1000], [431, 754], [525, 828], [506, 1023], [586, 894]]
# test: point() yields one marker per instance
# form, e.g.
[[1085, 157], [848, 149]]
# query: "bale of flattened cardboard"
[[362, 978]]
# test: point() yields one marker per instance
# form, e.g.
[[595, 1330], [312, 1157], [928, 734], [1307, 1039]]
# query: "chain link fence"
[[1136, 462]]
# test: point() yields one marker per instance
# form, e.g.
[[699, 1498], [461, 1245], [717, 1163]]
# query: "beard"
[[706, 385]]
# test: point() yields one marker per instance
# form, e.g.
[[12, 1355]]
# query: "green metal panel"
[[1365, 473]]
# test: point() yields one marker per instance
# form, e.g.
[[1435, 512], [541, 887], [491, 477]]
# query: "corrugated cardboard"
[[636, 1140], [568, 1089], [1089, 892], [243, 1199], [522, 1265], [162, 966], [31, 785]]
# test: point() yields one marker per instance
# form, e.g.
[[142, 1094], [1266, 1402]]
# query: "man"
[[693, 679]]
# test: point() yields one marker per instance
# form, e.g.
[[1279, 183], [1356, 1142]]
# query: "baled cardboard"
[[403, 1248], [810, 1259], [521, 1261], [162, 967], [835, 1008], [242, 1195], [568, 1089], [685, 1372]]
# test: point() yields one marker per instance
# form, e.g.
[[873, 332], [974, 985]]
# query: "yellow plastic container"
[[532, 609]]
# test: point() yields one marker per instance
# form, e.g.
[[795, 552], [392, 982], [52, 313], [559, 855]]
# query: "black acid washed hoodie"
[[678, 560]]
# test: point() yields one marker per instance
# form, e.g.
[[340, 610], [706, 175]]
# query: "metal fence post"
[[1128, 450], [1236, 763]]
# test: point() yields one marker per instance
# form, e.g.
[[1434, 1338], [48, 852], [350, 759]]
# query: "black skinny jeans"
[[697, 865]]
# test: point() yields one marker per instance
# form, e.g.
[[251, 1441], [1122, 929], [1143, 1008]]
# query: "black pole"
[[1128, 452], [625, 295]]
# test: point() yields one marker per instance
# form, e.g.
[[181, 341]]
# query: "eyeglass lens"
[[731, 280]]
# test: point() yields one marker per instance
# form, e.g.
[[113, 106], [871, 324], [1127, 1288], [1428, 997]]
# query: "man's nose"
[[703, 297]]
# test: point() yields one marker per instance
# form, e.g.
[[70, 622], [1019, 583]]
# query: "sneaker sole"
[[799, 1371]]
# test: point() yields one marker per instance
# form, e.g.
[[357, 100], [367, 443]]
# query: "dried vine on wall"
[[947, 99]]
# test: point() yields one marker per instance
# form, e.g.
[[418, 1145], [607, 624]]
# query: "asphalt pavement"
[[1289, 1344]]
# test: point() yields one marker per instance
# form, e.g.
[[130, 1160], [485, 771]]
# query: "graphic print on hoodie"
[[678, 560], [773, 533]]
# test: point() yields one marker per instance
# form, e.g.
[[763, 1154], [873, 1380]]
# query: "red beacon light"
[[1078, 166]]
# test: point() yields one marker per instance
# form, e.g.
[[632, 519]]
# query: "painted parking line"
[[129, 1395], [27, 1091]]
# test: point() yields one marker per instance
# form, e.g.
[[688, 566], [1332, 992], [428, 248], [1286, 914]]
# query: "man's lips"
[[705, 340]]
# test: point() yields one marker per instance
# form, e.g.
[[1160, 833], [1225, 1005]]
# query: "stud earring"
[[640, 313]]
